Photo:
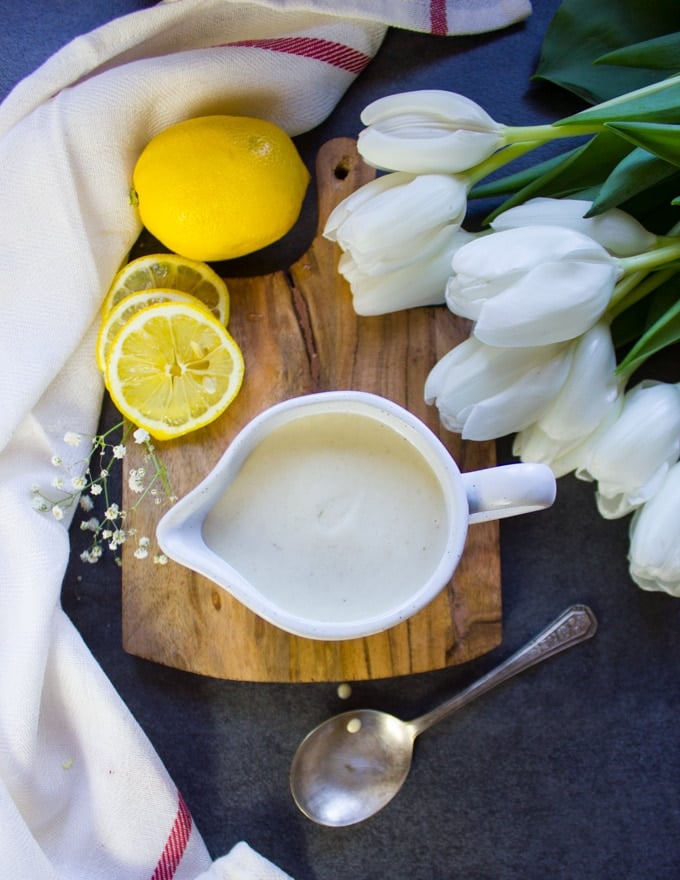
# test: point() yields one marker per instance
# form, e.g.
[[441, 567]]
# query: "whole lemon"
[[219, 187]]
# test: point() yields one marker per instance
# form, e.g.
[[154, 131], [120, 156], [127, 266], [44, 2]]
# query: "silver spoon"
[[353, 764]]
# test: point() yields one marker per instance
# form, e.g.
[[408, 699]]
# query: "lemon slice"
[[171, 272], [113, 321], [173, 368]]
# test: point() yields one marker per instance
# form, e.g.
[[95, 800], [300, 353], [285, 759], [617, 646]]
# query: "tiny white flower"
[[40, 504], [119, 536], [160, 559], [58, 482], [112, 512], [119, 451], [141, 553], [144, 541], [104, 473], [140, 435], [72, 439], [57, 512], [136, 480], [78, 483], [92, 555], [57, 460], [96, 489], [86, 503], [90, 525]]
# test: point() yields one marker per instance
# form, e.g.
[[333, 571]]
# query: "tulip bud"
[[419, 282], [589, 399], [381, 220], [427, 131], [615, 230], [398, 234], [630, 460], [535, 285], [654, 554], [483, 392]]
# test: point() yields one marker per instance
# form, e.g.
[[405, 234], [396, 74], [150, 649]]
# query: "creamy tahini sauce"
[[333, 517]]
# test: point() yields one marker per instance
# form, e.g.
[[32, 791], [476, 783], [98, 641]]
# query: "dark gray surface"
[[569, 772]]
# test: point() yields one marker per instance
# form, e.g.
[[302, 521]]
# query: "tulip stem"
[[498, 160], [635, 287], [637, 282], [652, 259], [548, 132], [521, 139]]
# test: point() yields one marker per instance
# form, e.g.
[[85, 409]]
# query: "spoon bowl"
[[352, 765], [346, 757]]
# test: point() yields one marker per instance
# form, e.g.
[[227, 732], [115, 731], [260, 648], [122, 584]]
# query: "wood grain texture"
[[299, 334]]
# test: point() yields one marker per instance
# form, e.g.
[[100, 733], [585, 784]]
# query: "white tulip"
[[630, 460], [615, 230], [589, 400], [419, 282], [427, 131], [654, 554], [534, 285], [484, 392], [384, 223]]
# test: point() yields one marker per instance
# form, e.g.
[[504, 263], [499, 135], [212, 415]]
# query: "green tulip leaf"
[[658, 102], [652, 206], [663, 333], [510, 183], [659, 53], [627, 327], [635, 173], [581, 32], [662, 140], [572, 174]]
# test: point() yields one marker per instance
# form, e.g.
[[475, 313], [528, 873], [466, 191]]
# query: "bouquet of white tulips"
[[547, 281]]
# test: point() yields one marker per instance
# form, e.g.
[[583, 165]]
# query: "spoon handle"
[[574, 625]]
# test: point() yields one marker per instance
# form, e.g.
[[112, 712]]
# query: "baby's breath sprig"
[[85, 481]]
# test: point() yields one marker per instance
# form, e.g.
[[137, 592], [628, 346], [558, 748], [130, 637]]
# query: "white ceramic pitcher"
[[340, 514]]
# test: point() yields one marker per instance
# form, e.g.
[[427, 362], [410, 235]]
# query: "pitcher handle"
[[509, 490]]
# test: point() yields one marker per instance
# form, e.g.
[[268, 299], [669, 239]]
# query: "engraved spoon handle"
[[574, 625]]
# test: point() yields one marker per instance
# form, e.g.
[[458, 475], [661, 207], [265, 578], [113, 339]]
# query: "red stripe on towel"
[[176, 843], [335, 54], [438, 23]]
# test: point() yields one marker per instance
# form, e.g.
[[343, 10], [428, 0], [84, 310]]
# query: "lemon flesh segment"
[[171, 272], [173, 368], [120, 314]]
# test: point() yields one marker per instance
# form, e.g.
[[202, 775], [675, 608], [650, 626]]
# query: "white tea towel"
[[83, 795]]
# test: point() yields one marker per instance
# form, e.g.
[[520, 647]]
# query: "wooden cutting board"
[[299, 334]]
